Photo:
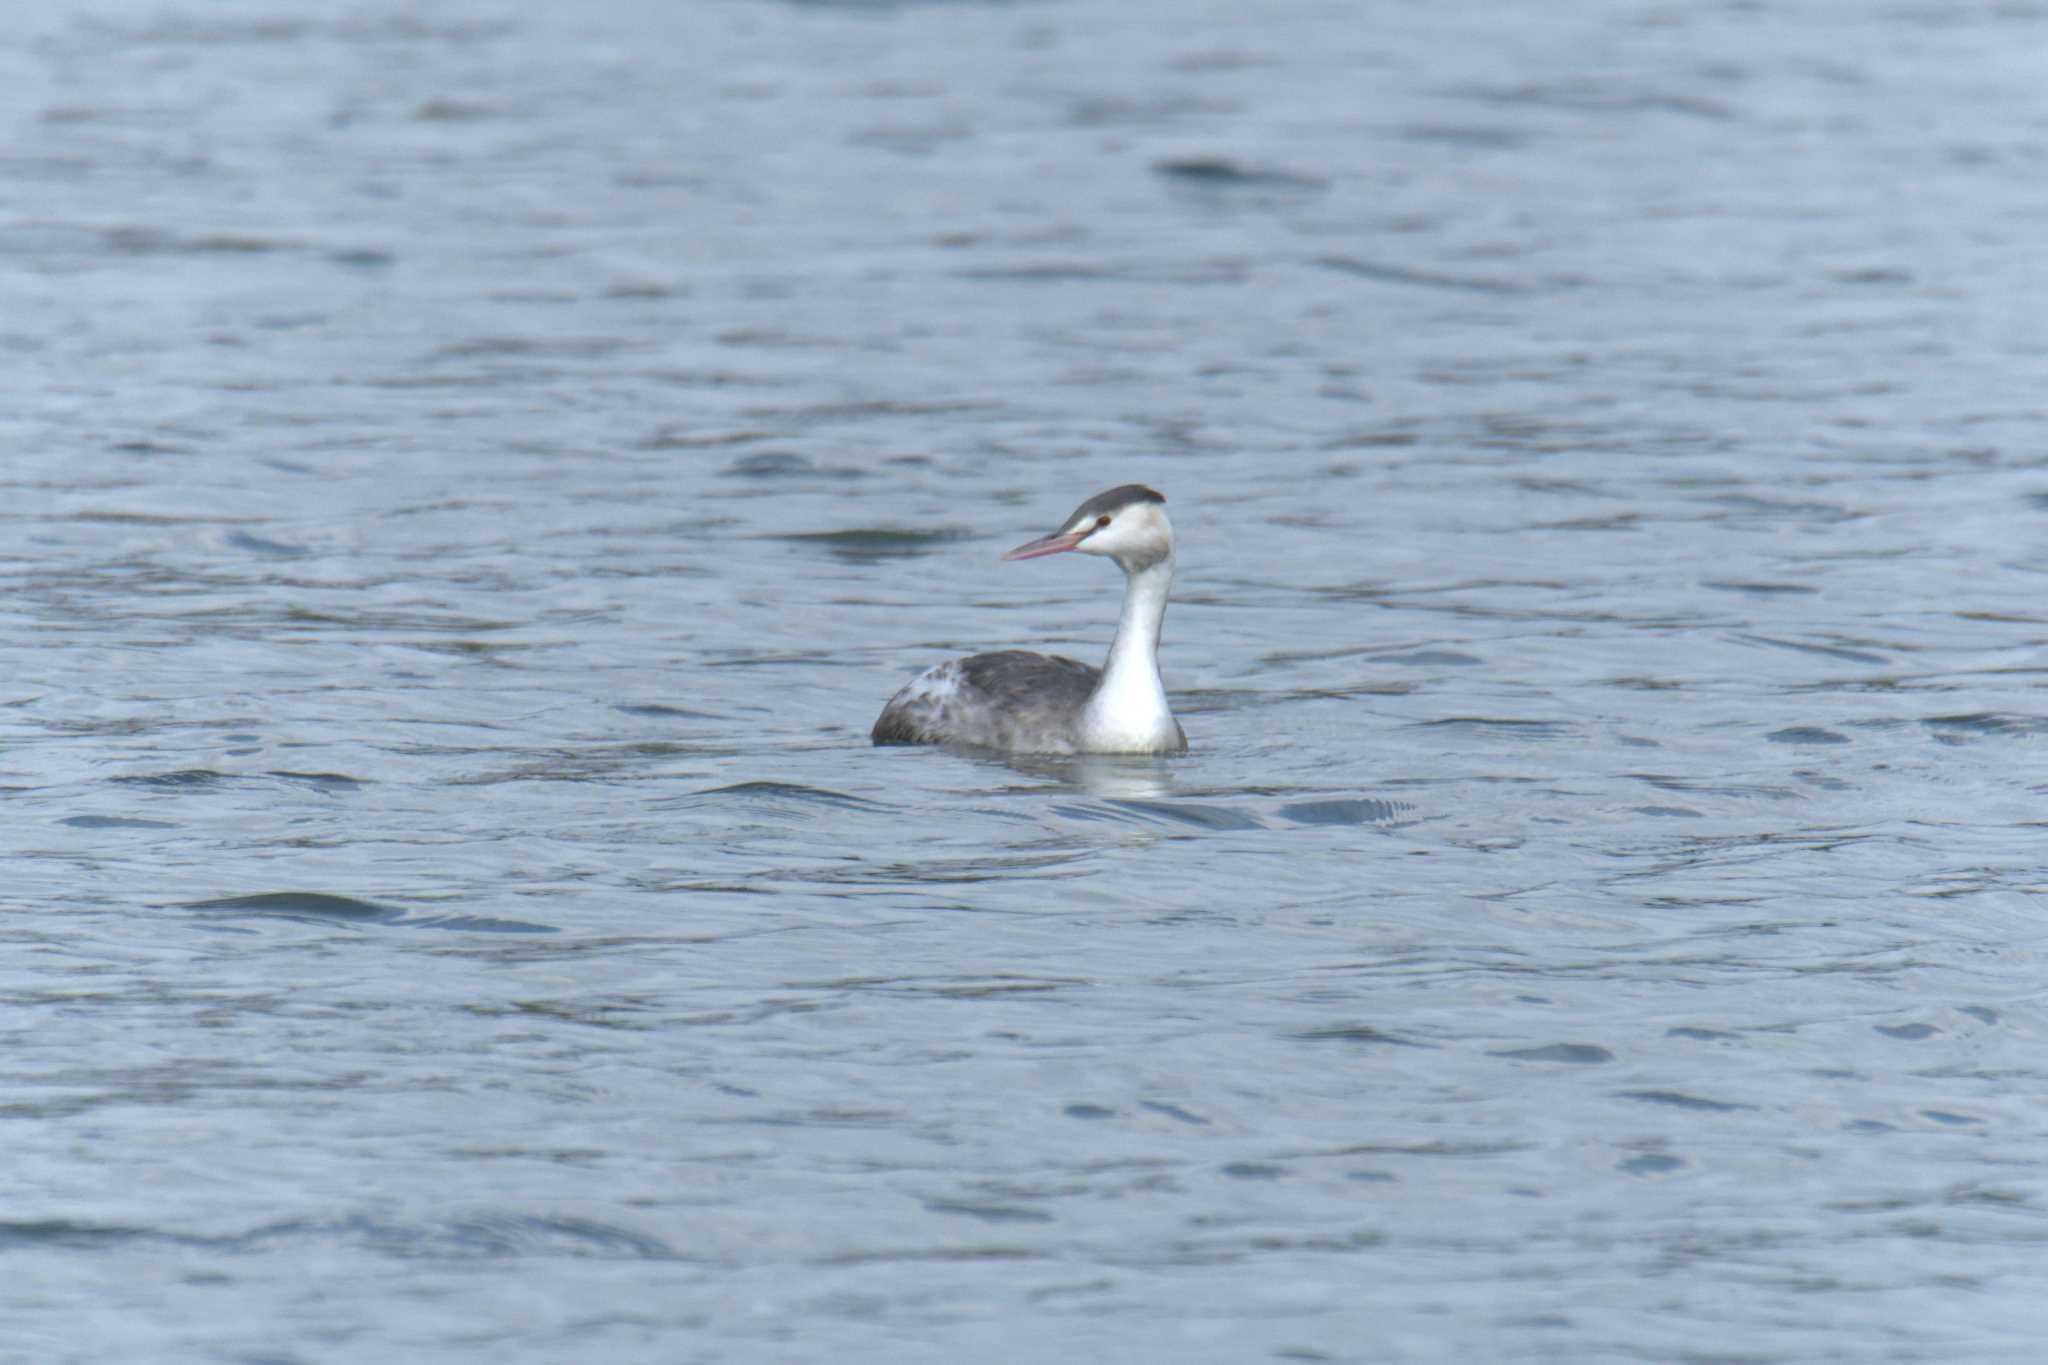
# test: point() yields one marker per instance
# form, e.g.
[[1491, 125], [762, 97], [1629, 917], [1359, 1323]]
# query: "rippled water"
[[473, 473]]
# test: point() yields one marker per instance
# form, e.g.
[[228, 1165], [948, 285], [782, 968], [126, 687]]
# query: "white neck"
[[1128, 711]]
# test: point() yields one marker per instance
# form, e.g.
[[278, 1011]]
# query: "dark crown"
[[1115, 500]]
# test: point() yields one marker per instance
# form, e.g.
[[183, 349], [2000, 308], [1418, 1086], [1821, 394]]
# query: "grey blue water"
[[471, 473]]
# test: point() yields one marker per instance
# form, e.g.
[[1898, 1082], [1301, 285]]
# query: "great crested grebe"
[[1028, 703]]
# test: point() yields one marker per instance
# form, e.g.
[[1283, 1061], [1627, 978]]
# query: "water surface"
[[473, 476]]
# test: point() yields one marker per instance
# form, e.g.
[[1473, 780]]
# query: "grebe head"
[[1127, 524]]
